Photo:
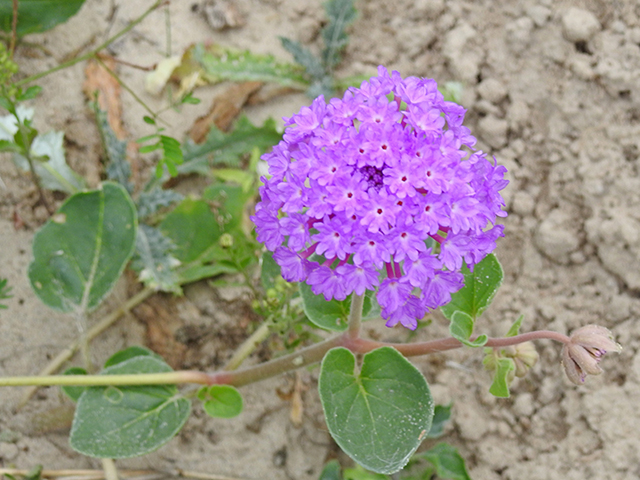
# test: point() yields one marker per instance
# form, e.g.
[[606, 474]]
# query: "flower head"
[[582, 355], [381, 190]]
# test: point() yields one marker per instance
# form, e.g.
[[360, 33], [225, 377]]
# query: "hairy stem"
[[355, 315], [93, 52]]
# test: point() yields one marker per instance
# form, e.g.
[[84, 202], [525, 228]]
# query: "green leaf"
[[81, 251], [197, 271], [331, 314], [38, 15], [172, 154], [222, 401], [480, 286], [331, 471], [441, 416], [227, 148], [5, 291], [303, 56], [53, 171], [359, 473], [269, 272], [231, 201], [150, 148], [341, 13], [220, 64], [130, 352], [155, 199], [118, 168], [74, 392], [148, 120], [500, 386], [123, 422], [515, 328], [448, 462], [461, 328], [380, 416], [29, 94], [192, 227], [153, 260]]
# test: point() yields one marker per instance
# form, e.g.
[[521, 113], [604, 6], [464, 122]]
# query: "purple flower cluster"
[[380, 190]]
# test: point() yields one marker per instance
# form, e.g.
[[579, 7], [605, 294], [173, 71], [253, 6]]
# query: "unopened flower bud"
[[226, 240], [581, 356], [525, 358]]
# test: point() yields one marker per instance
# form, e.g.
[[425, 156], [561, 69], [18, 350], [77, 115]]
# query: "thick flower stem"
[[355, 316], [272, 368]]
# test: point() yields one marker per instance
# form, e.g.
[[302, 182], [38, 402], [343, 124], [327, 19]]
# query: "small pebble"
[[579, 25]]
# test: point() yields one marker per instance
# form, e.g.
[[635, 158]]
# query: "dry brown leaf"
[[224, 109], [161, 318], [97, 79]]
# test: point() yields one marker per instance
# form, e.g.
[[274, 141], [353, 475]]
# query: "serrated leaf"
[[153, 260], [441, 415], [38, 15], [448, 462], [118, 168], [227, 148], [480, 286], [515, 328], [222, 401], [82, 250], [155, 199], [461, 328], [123, 422], [500, 386], [53, 171], [379, 416], [303, 56], [332, 314], [217, 64], [341, 13], [74, 393]]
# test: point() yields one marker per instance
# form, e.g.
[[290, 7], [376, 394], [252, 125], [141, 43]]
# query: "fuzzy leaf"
[[153, 260], [118, 168], [303, 56], [448, 462], [380, 415], [341, 13], [81, 251], [155, 199]]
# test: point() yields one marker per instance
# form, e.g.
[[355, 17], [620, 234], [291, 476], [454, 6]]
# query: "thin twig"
[[204, 476], [248, 346]]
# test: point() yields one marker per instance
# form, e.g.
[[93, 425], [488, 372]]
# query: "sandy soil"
[[553, 92]]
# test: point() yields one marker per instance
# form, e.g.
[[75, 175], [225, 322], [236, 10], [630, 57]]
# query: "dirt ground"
[[553, 91]]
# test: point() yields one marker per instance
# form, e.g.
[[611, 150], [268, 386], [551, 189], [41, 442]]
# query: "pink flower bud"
[[587, 345]]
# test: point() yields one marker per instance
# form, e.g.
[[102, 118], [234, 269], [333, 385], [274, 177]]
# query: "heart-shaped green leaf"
[[221, 401], [379, 416], [81, 251], [123, 422], [461, 328], [334, 314]]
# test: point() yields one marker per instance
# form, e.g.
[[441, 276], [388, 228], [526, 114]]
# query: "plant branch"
[[355, 315], [248, 346], [93, 52]]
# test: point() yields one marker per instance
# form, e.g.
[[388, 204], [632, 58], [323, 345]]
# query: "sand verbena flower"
[[380, 190]]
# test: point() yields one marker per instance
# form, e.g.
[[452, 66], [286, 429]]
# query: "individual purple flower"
[[381, 190]]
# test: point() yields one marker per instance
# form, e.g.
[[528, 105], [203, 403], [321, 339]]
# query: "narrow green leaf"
[[30, 93], [5, 291], [123, 422], [118, 168], [515, 328], [74, 392], [147, 119], [192, 227], [480, 286], [448, 462], [380, 416], [82, 250], [150, 148], [223, 401], [500, 386], [461, 328], [38, 15], [303, 56], [341, 13], [441, 416]]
